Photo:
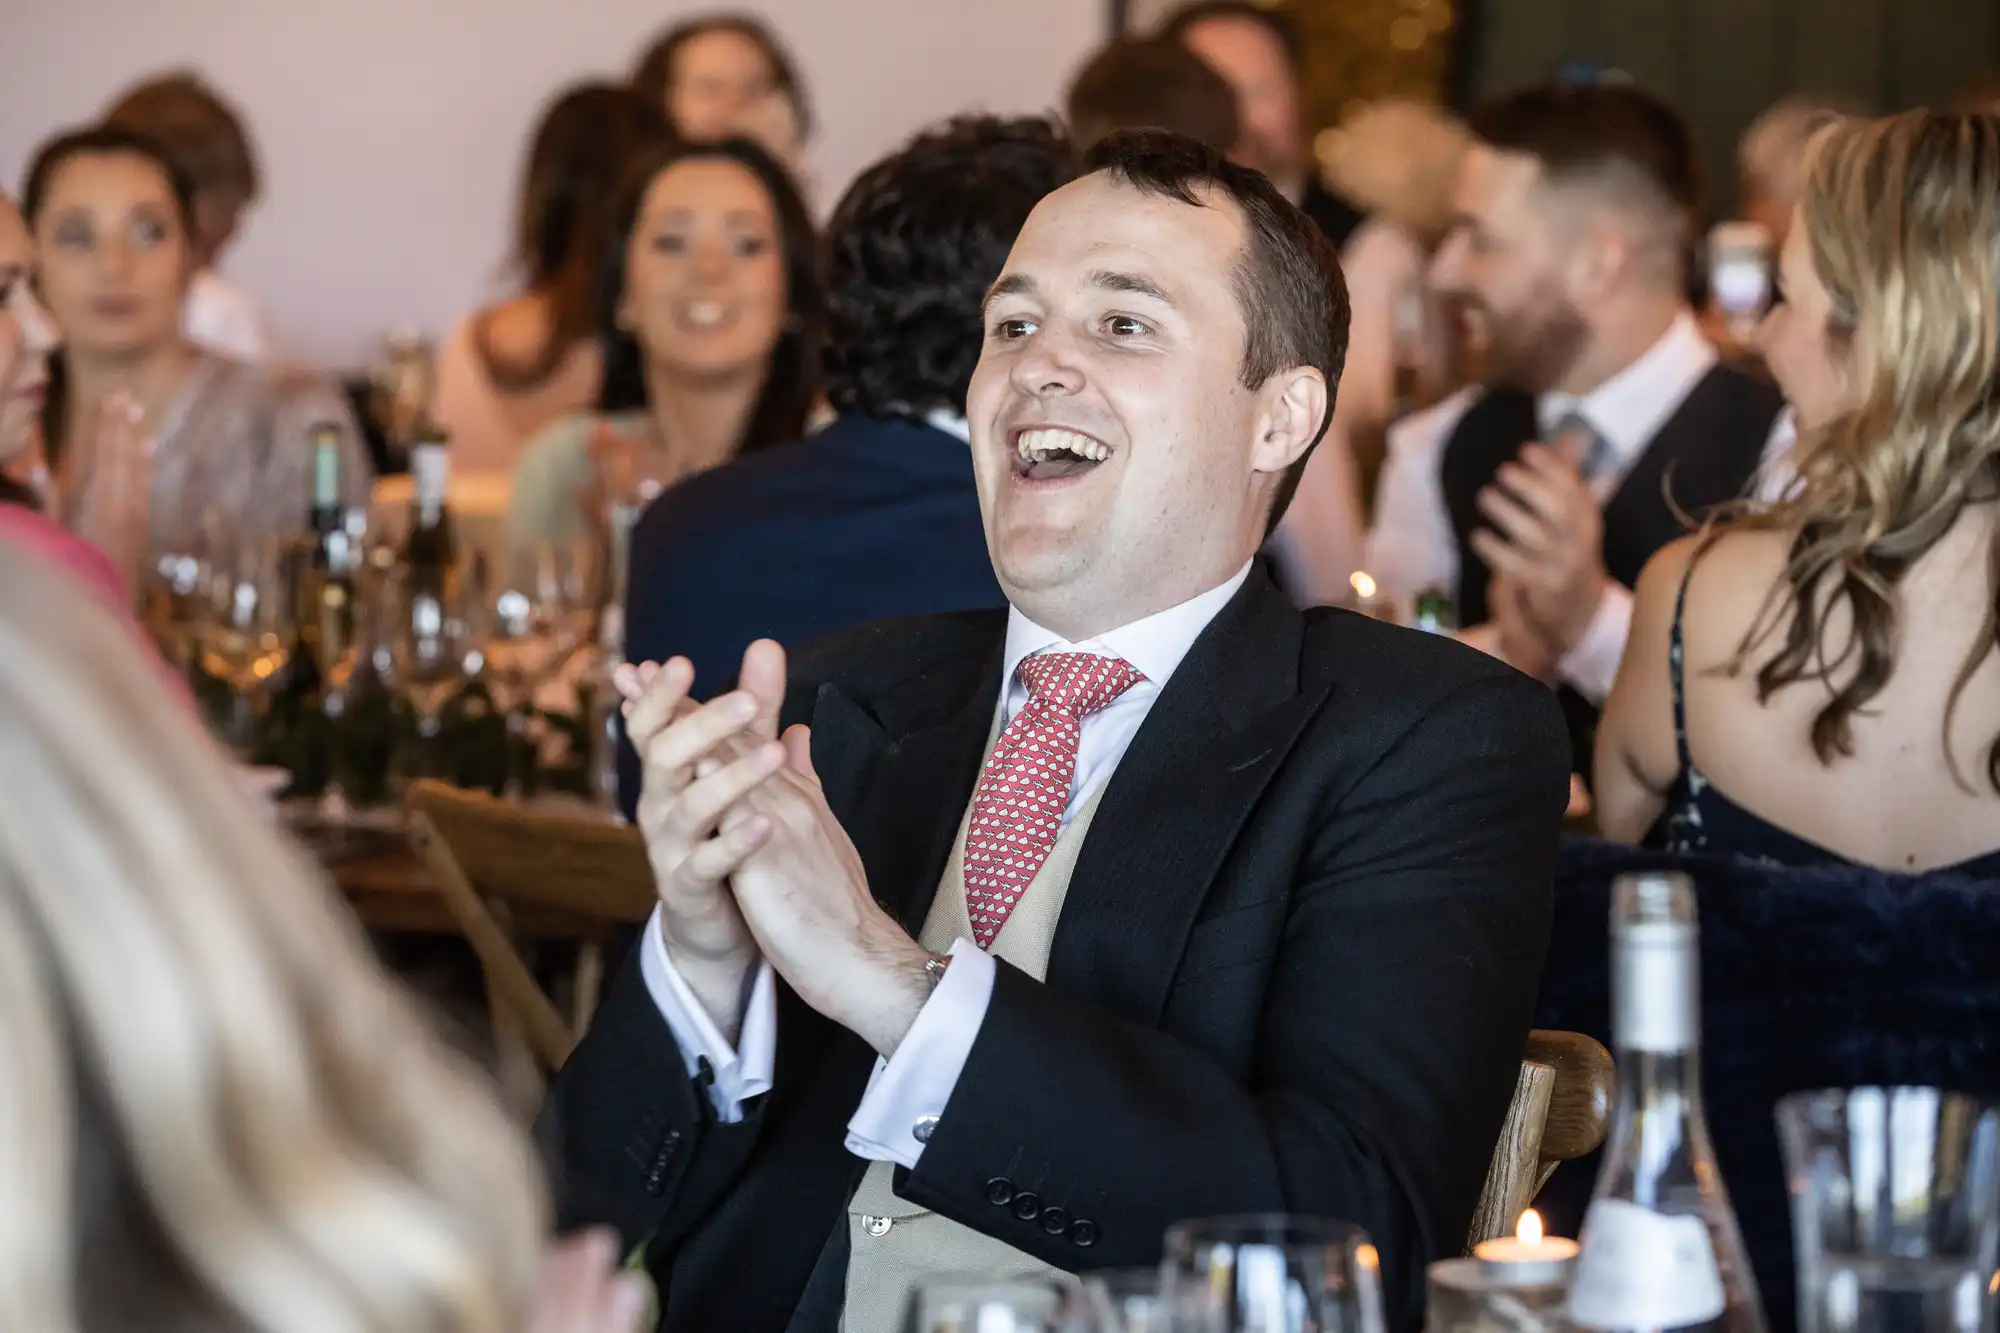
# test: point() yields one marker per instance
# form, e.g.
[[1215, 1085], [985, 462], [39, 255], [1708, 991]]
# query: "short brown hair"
[[1134, 83], [1288, 281], [1273, 21], [1614, 133], [200, 132], [655, 72]]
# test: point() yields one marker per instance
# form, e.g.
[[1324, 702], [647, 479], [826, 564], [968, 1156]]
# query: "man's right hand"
[[699, 762]]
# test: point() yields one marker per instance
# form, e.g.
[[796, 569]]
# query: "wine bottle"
[[430, 551], [326, 515], [1660, 1245]]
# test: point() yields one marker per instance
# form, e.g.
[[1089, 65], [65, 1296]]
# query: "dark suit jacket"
[[870, 518], [1294, 972]]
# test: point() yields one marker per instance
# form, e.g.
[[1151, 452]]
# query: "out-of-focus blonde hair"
[[216, 1112], [1400, 158], [1903, 219]]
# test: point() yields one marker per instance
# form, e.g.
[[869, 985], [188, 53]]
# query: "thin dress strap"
[[1676, 669]]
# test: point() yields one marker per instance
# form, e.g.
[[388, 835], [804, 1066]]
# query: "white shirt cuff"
[[742, 1071], [1592, 664], [907, 1093]]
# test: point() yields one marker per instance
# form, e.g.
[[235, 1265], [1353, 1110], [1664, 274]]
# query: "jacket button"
[[1054, 1221], [1083, 1233], [1027, 1204], [999, 1191]]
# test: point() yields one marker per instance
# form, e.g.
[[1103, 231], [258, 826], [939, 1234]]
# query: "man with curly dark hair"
[[876, 515]]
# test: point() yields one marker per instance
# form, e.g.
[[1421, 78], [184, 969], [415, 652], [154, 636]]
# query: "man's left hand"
[[1547, 540], [804, 894]]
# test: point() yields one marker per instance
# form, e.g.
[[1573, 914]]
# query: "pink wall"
[[391, 129]]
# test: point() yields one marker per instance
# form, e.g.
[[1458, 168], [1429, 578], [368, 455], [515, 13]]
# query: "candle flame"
[[1529, 1232], [1363, 585]]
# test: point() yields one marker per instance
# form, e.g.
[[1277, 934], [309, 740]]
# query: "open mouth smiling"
[[1051, 453]]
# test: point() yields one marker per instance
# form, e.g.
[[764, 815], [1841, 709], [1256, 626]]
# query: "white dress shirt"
[[1413, 546], [915, 1085]]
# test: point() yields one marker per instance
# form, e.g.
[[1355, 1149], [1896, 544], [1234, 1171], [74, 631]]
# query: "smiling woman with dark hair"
[[711, 312], [511, 368], [876, 515]]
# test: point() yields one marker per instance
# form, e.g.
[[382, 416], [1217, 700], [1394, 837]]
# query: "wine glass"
[[243, 637], [1115, 1300], [1272, 1274], [974, 1304], [430, 664]]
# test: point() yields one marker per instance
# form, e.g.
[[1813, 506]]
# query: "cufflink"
[[934, 968], [925, 1127]]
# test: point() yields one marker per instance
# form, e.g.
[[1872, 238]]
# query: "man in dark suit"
[[1606, 420], [1148, 898], [876, 515]]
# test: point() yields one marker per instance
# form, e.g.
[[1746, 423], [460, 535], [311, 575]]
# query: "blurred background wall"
[[388, 131]]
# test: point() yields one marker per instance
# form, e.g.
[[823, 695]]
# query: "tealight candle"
[[1527, 1257], [1365, 599], [1519, 1284]]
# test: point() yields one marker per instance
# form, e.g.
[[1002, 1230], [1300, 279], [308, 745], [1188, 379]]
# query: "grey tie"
[[1591, 450]]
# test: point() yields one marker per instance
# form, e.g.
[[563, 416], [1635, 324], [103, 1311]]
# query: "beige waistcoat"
[[914, 1243]]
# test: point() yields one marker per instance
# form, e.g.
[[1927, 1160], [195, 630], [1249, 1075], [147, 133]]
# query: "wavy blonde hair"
[[216, 1111], [1903, 218]]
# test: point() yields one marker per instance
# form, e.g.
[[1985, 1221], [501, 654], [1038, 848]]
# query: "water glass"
[[1116, 1300], [984, 1305], [1272, 1274], [1895, 1209]]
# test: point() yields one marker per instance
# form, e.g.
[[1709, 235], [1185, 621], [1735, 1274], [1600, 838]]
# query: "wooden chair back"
[[1560, 1112], [510, 873]]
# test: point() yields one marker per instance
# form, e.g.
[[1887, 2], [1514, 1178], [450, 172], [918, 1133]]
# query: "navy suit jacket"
[[871, 518]]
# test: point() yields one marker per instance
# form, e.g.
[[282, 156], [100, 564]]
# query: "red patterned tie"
[[1024, 788]]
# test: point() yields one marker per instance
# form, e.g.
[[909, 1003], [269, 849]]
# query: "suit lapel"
[[897, 767], [1179, 796], [898, 770]]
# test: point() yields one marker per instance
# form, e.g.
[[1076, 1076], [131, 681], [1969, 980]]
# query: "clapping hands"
[[1545, 550], [107, 484], [751, 862]]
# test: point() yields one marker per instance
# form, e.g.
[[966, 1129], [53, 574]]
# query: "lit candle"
[[1528, 1256], [1364, 592]]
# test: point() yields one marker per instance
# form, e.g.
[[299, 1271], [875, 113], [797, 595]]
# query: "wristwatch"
[[934, 967]]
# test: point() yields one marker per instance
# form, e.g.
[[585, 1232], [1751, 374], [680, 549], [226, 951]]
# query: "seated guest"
[[711, 316], [112, 219], [1400, 161], [114, 520], [27, 337], [1607, 417], [1770, 160], [1258, 52], [876, 515], [721, 76], [216, 1111], [1133, 84], [1817, 681], [1265, 931], [206, 139], [511, 368]]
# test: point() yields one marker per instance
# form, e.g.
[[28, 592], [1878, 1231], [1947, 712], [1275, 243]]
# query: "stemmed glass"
[[243, 635], [1272, 1274], [984, 1305], [430, 664], [1116, 1300]]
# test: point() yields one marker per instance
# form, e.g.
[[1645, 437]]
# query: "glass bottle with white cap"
[[1661, 1248]]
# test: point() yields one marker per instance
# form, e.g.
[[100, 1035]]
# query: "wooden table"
[[393, 892]]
